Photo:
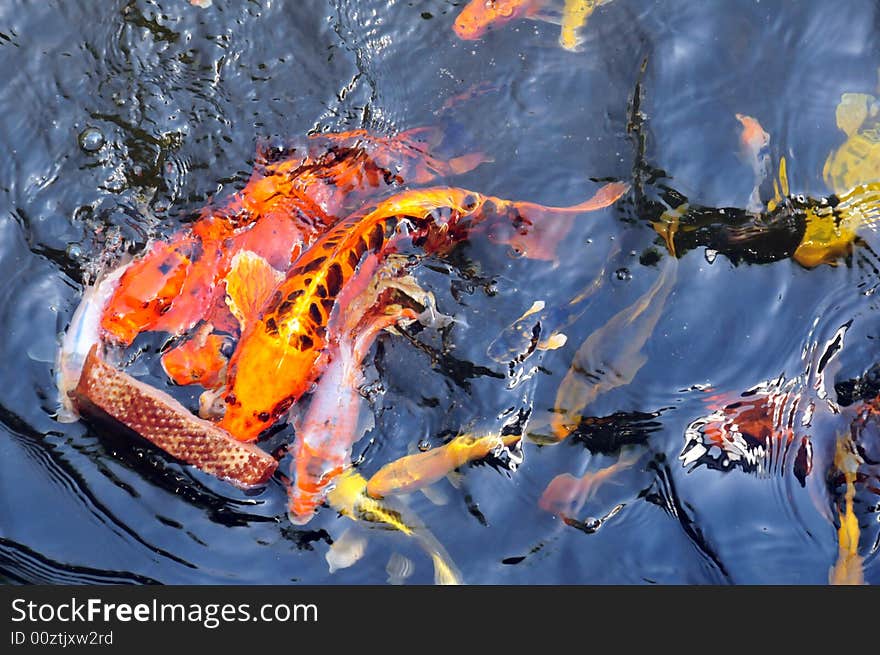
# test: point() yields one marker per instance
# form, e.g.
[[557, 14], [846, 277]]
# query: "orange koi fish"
[[289, 201], [277, 360], [566, 495], [479, 15], [754, 143], [756, 430]]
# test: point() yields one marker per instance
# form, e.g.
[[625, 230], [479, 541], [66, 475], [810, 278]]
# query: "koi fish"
[[612, 355], [752, 431], [574, 17], [163, 421], [327, 432], [848, 570], [857, 160], [479, 15], [82, 334], [832, 230], [292, 197], [754, 144], [852, 172], [566, 495], [755, 431], [526, 334], [279, 358], [420, 470], [349, 498]]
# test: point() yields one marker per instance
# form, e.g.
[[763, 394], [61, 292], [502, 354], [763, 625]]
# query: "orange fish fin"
[[541, 229], [198, 360], [375, 325], [249, 284], [424, 136], [468, 162]]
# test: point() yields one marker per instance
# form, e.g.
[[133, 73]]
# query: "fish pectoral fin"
[[249, 284], [553, 342], [545, 14]]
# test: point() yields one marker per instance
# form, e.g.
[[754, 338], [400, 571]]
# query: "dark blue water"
[[180, 96]]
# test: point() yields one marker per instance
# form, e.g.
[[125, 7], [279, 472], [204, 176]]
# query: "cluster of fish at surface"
[[281, 292], [278, 294]]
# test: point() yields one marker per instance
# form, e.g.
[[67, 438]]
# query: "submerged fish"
[[478, 16], [349, 497], [540, 326], [290, 334], [566, 495], [848, 570], [612, 355], [754, 143], [757, 430], [857, 160], [574, 16], [419, 470]]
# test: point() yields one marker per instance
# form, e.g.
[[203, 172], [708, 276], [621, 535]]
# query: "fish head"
[[479, 15]]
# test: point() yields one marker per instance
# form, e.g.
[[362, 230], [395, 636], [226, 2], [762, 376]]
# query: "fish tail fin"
[[540, 229], [468, 162]]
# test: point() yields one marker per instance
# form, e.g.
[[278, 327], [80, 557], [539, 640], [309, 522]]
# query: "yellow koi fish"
[[419, 470], [857, 160], [566, 495], [848, 569], [350, 499], [574, 17]]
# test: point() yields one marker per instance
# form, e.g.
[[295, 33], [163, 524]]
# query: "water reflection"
[[141, 112]]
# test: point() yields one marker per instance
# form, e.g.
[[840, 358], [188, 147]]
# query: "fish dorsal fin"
[[249, 285]]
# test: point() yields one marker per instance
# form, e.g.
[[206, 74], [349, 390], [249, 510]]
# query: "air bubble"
[[591, 525], [623, 274], [91, 139]]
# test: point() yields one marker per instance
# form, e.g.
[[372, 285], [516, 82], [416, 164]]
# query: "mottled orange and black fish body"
[[292, 197], [277, 359]]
